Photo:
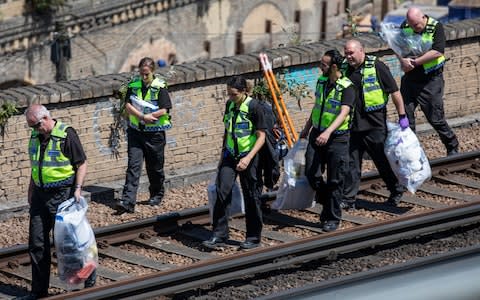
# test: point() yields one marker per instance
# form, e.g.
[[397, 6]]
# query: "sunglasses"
[[37, 125]]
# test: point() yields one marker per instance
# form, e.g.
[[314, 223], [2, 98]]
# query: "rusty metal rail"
[[209, 268], [273, 258]]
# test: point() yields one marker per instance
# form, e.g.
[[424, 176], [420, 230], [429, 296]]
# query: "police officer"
[[329, 126], [148, 105], [59, 166], [422, 83], [244, 137], [369, 131]]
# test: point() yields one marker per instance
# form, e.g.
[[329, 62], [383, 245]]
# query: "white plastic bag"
[[294, 162], [237, 206], [406, 157], [75, 244], [142, 105], [295, 192], [300, 196], [401, 43]]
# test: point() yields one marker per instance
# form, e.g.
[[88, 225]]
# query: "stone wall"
[[109, 36], [198, 95]]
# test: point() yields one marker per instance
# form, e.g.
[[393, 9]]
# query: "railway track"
[[455, 181]]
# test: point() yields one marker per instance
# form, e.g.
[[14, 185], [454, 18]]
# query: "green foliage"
[[45, 6], [7, 110], [351, 24], [292, 87], [119, 125], [293, 36]]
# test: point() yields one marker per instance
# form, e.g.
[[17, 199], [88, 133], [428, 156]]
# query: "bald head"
[[416, 19], [354, 44], [38, 117], [354, 53], [36, 111]]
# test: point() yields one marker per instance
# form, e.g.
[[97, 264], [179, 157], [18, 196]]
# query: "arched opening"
[[13, 83], [265, 27]]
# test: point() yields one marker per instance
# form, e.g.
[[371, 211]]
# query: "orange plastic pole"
[[282, 102], [274, 96], [282, 111]]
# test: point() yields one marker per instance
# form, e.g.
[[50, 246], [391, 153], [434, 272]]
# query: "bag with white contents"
[[75, 243], [406, 157]]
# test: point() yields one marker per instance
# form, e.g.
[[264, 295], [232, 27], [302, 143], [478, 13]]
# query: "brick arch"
[[134, 46], [242, 18], [13, 83]]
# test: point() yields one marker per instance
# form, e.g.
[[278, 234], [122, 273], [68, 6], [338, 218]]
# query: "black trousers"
[[151, 147], [42, 220], [373, 142], [429, 95], [248, 180], [334, 158]]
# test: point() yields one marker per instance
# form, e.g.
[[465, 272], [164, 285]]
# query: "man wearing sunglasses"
[[59, 166]]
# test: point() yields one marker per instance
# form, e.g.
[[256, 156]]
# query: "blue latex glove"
[[403, 122]]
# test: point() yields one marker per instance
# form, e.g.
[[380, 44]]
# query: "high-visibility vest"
[[328, 107], [373, 95], [427, 40], [240, 131], [54, 168], [163, 122]]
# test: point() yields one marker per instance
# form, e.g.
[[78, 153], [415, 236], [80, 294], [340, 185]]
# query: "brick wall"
[[198, 95]]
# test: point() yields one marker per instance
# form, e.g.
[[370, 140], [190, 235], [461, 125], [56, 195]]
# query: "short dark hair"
[[147, 62], [336, 57], [237, 82]]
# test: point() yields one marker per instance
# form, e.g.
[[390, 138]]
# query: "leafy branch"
[[119, 125], [7, 110], [351, 23], [292, 87], [44, 6]]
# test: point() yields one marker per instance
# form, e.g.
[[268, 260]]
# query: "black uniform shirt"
[[418, 73], [363, 121]]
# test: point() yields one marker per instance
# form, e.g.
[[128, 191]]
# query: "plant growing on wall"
[[119, 125], [351, 24], [44, 6], [292, 87], [293, 36], [7, 110]]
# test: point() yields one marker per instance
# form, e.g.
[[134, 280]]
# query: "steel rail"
[[170, 221], [314, 290], [263, 260], [117, 233], [123, 232]]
